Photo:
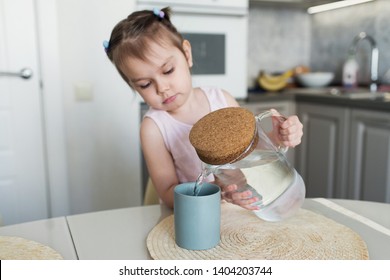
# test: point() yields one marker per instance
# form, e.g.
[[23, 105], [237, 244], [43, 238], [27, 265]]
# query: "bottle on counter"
[[350, 72]]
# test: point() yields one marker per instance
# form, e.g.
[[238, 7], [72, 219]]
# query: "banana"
[[274, 82], [272, 86]]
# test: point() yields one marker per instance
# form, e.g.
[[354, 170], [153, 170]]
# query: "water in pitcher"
[[270, 178]]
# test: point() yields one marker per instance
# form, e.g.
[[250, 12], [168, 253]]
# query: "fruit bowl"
[[315, 79]]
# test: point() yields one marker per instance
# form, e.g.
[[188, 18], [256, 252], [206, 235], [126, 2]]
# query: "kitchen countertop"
[[324, 96], [120, 234]]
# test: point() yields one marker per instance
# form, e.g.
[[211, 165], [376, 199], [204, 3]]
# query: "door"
[[23, 186], [370, 156], [322, 156]]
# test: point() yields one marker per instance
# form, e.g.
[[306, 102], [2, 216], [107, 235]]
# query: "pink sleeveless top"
[[176, 136]]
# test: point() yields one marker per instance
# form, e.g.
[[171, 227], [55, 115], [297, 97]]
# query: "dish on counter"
[[315, 79]]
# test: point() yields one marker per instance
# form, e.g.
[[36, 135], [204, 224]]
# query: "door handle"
[[24, 73]]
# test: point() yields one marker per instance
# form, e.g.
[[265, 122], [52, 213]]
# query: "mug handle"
[[280, 118]]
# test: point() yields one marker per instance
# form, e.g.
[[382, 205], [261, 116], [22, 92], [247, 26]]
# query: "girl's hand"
[[233, 192], [243, 199], [290, 131]]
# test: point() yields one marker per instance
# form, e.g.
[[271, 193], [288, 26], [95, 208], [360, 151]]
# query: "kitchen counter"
[[358, 99], [121, 233]]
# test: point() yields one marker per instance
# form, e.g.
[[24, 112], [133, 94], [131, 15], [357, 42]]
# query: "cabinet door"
[[322, 156], [370, 156]]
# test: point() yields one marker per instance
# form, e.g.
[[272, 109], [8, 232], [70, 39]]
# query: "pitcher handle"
[[277, 116]]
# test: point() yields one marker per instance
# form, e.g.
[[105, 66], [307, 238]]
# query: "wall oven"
[[217, 30]]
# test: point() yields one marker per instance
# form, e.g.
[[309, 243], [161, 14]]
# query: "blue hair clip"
[[158, 13], [106, 44]]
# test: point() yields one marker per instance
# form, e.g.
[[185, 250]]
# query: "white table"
[[51, 232], [121, 233], [115, 234]]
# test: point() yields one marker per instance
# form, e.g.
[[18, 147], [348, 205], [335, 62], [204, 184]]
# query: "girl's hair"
[[132, 35]]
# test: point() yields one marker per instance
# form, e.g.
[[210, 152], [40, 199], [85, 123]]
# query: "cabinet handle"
[[24, 73]]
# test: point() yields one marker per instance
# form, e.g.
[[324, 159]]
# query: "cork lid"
[[225, 135]]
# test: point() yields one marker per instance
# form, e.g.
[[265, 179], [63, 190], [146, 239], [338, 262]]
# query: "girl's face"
[[164, 80]]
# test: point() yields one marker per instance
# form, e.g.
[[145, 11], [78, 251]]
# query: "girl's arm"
[[158, 160]]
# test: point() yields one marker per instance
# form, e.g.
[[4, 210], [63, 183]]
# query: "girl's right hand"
[[231, 192], [243, 199]]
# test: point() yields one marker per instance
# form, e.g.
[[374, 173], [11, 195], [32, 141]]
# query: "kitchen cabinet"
[[284, 107], [370, 155], [322, 156], [300, 4], [345, 152]]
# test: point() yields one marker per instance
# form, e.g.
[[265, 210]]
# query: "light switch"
[[83, 91]]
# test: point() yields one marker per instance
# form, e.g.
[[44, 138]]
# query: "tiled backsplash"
[[280, 39]]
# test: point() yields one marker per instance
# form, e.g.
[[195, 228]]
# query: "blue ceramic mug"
[[197, 218]]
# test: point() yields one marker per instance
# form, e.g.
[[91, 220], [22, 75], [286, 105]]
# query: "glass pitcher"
[[265, 171]]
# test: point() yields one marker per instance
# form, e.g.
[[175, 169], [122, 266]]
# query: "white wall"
[[279, 39], [52, 104], [102, 132]]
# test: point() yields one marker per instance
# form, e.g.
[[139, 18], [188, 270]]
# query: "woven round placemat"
[[305, 236], [17, 248]]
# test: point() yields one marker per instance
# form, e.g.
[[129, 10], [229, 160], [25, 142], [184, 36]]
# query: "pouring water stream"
[[206, 171]]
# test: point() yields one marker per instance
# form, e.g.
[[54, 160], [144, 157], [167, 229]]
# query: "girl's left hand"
[[290, 131]]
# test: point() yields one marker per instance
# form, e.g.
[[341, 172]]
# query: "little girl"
[[154, 59]]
